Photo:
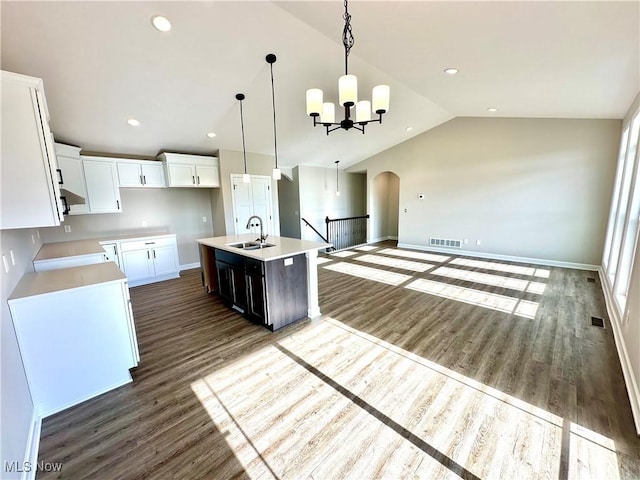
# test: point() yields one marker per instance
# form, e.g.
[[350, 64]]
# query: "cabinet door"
[[239, 287], [73, 181], [164, 260], [181, 175], [129, 174], [225, 281], [137, 264], [256, 298], [30, 193], [153, 175], [112, 253], [207, 176], [102, 186]]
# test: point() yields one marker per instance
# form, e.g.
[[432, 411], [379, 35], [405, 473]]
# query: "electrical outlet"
[[478, 242], [13, 258], [67, 229], [204, 219], [466, 241], [5, 263], [144, 223]]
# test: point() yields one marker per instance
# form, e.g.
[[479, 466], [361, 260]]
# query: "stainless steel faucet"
[[263, 237]]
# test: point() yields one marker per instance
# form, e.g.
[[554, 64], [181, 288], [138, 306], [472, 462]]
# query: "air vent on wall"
[[443, 242]]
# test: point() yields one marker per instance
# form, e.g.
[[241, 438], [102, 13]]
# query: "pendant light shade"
[[277, 174], [246, 178]]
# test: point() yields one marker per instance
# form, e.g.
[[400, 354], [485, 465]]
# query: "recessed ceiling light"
[[211, 134], [133, 122], [409, 128], [492, 109], [450, 71], [161, 23]]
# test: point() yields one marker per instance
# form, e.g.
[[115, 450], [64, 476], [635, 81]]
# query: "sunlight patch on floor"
[[369, 273], [343, 254], [430, 257], [366, 248], [330, 401], [395, 263], [322, 260], [501, 303], [502, 267], [489, 279]]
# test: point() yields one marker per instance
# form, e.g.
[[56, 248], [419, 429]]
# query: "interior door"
[[261, 195], [242, 205]]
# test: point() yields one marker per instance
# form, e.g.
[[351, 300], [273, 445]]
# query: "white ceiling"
[[102, 63]]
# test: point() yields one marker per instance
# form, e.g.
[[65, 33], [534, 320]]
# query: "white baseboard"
[[615, 319], [508, 258], [190, 266], [33, 445]]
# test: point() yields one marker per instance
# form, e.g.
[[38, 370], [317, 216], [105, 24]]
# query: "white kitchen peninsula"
[[275, 285], [76, 333]]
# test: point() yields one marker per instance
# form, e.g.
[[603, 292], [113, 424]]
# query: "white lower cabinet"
[[76, 334], [150, 259], [111, 254]]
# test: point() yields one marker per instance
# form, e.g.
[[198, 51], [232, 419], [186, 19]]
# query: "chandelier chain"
[[347, 37]]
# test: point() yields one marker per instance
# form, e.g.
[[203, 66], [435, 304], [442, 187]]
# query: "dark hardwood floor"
[[422, 366]]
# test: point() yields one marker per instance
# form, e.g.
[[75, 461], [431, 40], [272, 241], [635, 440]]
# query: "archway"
[[386, 207]]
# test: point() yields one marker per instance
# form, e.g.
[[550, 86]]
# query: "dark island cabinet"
[[272, 293]]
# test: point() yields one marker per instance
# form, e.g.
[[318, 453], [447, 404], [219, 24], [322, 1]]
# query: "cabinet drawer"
[[147, 243], [254, 267], [230, 258]]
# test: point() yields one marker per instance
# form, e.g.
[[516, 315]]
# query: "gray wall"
[[231, 162], [536, 188], [318, 197], [289, 202], [17, 406], [172, 210]]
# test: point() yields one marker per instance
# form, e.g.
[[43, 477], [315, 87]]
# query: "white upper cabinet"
[[30, 190], [196, 171], [101, 177], [141, 173], [73, 186]]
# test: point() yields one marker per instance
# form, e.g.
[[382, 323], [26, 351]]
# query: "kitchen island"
[[274, 283]]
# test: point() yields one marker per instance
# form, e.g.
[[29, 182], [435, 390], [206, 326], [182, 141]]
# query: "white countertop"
[[283, 246], [76, 248], [41, 283]]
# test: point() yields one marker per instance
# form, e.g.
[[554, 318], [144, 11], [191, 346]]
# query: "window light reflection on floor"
[[502, 267], [369, 273], [322, 260], [366, 248], [344, 253], [395, 263], [493, 301], [490, 279], [430, 257]]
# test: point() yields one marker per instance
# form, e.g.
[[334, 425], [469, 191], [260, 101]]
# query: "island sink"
[[251, 245]]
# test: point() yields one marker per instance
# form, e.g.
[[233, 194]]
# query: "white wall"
[[173, 210], [15, 399], [626, 325], [537, 188], [318, 197]]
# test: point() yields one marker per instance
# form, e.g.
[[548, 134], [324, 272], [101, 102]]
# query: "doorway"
[[386, 207]]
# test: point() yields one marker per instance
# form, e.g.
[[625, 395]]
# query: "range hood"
[[72, 198]]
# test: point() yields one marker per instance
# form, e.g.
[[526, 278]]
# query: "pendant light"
[[347, 95], [277, 174], [337, 188], [246, 178]]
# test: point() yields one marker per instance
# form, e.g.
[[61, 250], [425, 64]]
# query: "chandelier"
[[348, 95]]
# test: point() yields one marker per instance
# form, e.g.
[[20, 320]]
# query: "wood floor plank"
[[390, 383]]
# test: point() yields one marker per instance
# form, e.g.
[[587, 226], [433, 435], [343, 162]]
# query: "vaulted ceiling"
[[103, 62]]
